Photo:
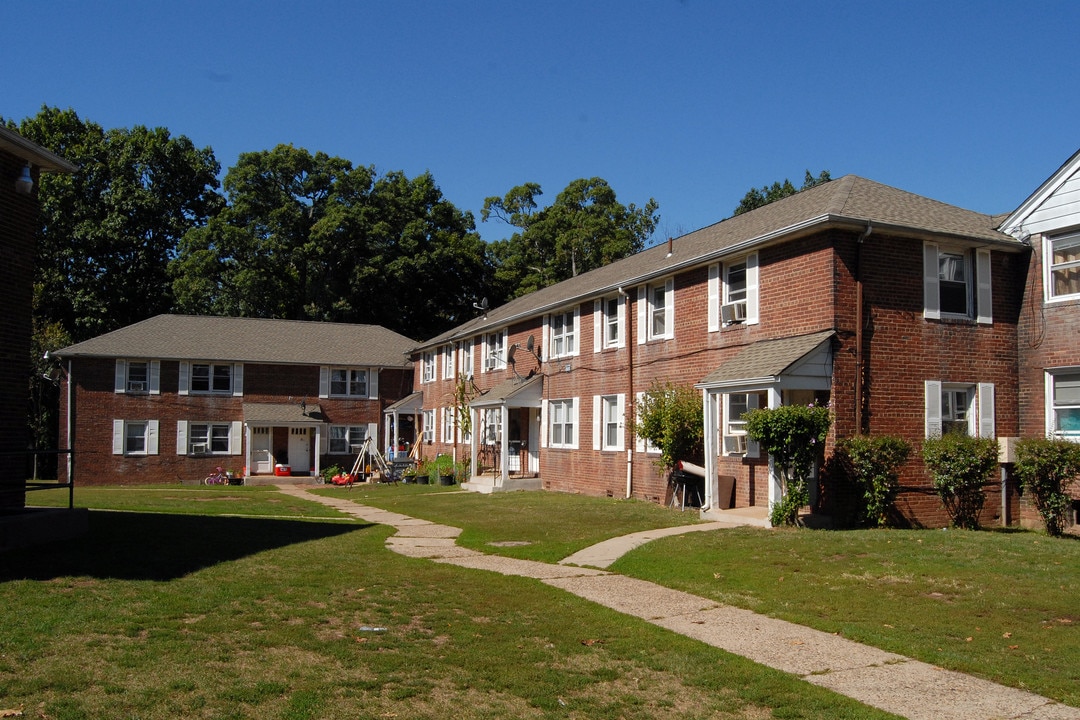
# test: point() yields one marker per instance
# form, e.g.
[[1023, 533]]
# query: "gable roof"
[[766, 359], [232, 339], [849, 202], [1054, 205]]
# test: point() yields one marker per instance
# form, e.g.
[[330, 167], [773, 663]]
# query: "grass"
[[225, 612]]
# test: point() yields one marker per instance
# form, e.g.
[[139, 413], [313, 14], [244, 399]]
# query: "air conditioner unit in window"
[[136, 386], [734, 444], [429, 436], [733, 312], [198, 449], [491, 363]]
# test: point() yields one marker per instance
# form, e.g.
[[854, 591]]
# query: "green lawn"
[[232, 610]]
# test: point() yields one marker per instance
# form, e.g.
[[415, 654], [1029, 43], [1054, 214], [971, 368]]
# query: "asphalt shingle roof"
[[849, 200], [288, 342], [767, 358]]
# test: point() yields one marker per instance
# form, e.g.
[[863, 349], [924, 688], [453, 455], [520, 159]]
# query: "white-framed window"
[[1062, 267], [733, 292], [428, 363], [429, 426], [656, 311], [965, 408], [209, 438], [210, 378], [642, 444], [449, 425], [609, 413], [1063, 403], [135, 437], [491, 429], [138, 377], [613, 315], [448, 368], [564, 333], [465, 358], [494, 351], [562, 415], [734, 440], [347, 439], [348, 382], [956, 284]]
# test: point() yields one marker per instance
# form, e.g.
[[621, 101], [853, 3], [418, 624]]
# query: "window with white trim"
[[427, 366], [734, 440], [211, 378], [564, 328], [465, 358], [494, 351], [963, 408], [1064, 401], [562, 416], [429, 426], [348, 382], [613, 321], [347, 439], [642, 444], [209, 438], [1063, 267], [733, 293], [135, 437], [656, 311], [611, 422], [138, 376], [957, 283], [449, 425], [492, 429], [448, 362]]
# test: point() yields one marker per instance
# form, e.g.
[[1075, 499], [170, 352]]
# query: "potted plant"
[[422, 472], [441, 470]]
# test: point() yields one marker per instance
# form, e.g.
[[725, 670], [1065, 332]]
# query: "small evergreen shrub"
[[794, 435], [872, 463], [1046, 468], [960, 466]]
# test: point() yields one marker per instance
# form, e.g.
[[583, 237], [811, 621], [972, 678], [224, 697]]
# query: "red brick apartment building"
[[171, 398], [899, 311]]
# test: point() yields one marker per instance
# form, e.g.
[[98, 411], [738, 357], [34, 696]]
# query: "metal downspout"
[[631, 398]]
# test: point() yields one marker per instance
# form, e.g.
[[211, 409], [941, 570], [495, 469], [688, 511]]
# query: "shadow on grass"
[[138, 546]]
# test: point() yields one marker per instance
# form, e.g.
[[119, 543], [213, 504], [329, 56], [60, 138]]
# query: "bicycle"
[[219, 477]]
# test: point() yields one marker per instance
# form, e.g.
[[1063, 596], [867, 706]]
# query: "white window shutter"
[[185, 370], [597, 421], [620, 314], [120, 384], [753, 447], [986, 410], [575, 412], [639, 442], [931, 296], [117, 437], [236, 434], [547, 335], [714, 297], [669, 307], [752, 285], [577, 330], [598, 326], [373, 383], [642, 314], [373, 432], [984, 295], [155, 377], [324, 382], [181, 437], [152, 427], [543, 423], [238, 380], [933, 408], [620, 413]]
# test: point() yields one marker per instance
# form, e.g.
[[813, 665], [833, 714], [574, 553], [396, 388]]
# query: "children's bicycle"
[[218, 477]]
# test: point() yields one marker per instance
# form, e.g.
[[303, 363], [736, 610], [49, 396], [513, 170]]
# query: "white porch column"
[[247, 450], [318, 449], [711, 399], [776, 489], [474, 442], [504, 445]]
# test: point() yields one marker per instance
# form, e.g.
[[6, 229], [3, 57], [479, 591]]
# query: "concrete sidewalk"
[[884, 680]]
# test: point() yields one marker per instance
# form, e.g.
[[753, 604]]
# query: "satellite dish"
[[482, 306], [510, 354], [530, 343]]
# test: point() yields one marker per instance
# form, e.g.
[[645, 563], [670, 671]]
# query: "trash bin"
[[725, 493]]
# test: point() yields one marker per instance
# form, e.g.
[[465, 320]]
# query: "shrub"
[[672, 418], [1046, 468], [960, 466], [794, 436], [872, 463]]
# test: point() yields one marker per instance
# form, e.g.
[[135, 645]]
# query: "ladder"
[[369, 453]]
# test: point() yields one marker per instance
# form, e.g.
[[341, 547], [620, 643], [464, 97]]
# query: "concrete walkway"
[[884, 680]]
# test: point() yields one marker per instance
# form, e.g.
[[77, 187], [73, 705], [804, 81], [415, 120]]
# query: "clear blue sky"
[[972, 103]]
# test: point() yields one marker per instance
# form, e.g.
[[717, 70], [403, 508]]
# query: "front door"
[[299, 450], [261, 461]]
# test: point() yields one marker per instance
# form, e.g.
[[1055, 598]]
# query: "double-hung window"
[[465, 358], [428, 365], [449, 425], [138, 377], [495, 351], [563, 423], [492, 426], [656, 311], [346, 439], [348, 382], [1063, 391], [733, 292], [135, 437], [215, 378], [429, 426], [1063, 267], [963, 408], [448, 362], [956, 284], [209, 438], [564, 334], [608, 422], [613, 322], [733, 424]]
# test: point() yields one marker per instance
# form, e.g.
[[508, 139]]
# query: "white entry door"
[[261, 461], [299, 450]]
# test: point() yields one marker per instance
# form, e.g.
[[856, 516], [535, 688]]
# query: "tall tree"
[[757, 197], [109, 229], [585, 228], [310, 236]]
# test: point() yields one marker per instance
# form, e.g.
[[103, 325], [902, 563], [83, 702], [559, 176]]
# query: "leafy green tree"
[[585, 228], [794, 435], [960, 467], [1047, 467], [671, 417], [109, 229], [757, 197], [311, 237]]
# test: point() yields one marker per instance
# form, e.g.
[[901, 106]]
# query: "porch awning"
[[411, 404], [513, 393], [801, 361], [282, 414]]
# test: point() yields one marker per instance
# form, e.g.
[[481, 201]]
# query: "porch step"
[[487, 485]]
